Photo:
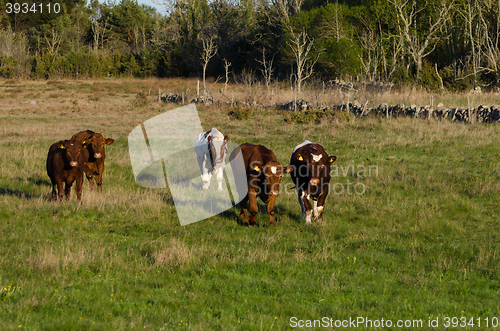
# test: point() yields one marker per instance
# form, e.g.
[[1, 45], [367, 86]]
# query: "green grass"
[[421, 242]]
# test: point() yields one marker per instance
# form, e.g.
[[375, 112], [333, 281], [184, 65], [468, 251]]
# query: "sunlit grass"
[[422, 239]]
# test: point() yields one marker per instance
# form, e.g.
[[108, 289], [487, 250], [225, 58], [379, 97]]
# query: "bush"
[[7, 66], [141, 100], [238, 113]]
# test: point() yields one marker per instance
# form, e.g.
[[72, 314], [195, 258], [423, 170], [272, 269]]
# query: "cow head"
[[272, 171], [96, 145], [73, 152], [217, 150], [313, 164]]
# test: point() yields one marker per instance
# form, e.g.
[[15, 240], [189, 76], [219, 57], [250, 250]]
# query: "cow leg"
[[307, 206], [220, 174], [78, 188], [205, 177], [270, 209], [67, 190], [98, 178], [254, 208], [301, 203], [321, 203], [315, 209], [244, 212], [54, 191], [60, 190], [90, 175]]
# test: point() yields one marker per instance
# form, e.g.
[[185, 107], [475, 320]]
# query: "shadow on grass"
[[23, 194], [28, 194]]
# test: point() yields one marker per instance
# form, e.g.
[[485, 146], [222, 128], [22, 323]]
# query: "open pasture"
[[411, 229]]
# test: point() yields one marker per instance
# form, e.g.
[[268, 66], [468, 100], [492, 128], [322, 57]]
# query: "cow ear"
[[299, 157], [226, 138], [209, 138], [333, 158], [109, 141], [289, 169]]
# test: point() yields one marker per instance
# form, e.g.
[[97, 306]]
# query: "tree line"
[[438, 44]]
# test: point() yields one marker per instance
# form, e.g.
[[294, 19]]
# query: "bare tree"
[[226, 68], [418, 44], [491, 36], [53, 42], [267, 70], [208, 52], [301, 45], [373, 53]]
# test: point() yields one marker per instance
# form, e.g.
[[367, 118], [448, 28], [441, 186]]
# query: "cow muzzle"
[[73, 163], [274, 193], [219, 160], [97, 155], [314, 181]]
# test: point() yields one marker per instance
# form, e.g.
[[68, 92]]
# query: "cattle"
[[263, 173], [65, 162], [311, 175], [211, 153], [94, 164]]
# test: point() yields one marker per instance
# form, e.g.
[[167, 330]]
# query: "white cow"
[[211, 152]]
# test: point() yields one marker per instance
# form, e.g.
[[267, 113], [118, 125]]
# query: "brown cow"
[[65, 164], [94, 164], [263, 173], [311, 175]]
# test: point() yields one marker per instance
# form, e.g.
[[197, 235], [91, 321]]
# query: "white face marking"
[[273, 170], [316, 158]]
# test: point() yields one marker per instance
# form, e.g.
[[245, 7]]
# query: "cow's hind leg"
[[254, 208], [244, 212]]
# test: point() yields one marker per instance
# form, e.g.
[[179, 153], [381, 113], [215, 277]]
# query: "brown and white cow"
[[65, 162], [94, 164], [263, 173], [311, 175]]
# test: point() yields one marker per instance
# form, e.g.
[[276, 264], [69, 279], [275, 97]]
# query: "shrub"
[[238, 113], [141, 100], [7, 66]]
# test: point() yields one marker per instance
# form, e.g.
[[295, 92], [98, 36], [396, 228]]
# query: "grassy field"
[[416, 238]]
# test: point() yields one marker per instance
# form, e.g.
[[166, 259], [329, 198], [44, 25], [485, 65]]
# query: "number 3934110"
[[32, 8]]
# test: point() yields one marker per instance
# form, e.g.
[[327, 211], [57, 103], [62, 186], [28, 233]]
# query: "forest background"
[[436, 44]]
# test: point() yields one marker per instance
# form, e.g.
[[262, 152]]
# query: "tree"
[[209, 50], [301, 45], [420, 32]]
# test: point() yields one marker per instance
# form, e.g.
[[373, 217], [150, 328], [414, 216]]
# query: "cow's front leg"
[[270, 209], [67, 190], [220, 174], [307, 206], [254, 208], [321, 204], [205, 177], [98, 180], [90, 175], [78, 188]]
